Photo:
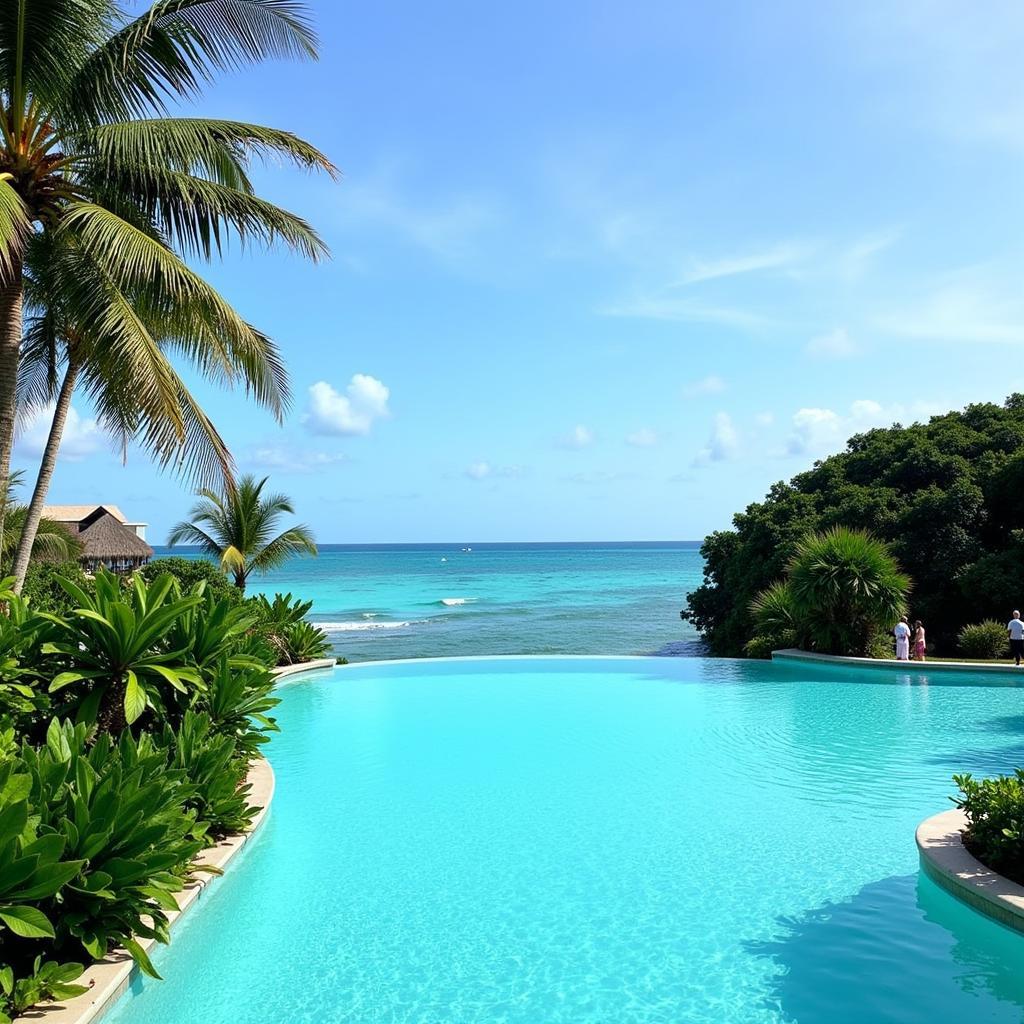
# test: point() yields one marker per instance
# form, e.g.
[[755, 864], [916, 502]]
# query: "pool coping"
[[109, 979], [929, 667], [316, 665], [945, 860]]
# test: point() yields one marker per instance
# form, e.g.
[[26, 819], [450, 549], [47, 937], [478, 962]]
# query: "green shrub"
[[237, 701], [191, 571], [762, 645], [305, 642], [995, 821], [43, 589], [217, 789], [984, 640], [118, 811], [116, 651], [282, 626]]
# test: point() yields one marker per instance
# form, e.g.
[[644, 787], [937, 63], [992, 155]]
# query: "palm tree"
[[237, 529], [844, 586], [55, 341], [52, 541], [90, 156]]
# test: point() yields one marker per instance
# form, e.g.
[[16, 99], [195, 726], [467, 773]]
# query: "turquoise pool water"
[[624, 841]]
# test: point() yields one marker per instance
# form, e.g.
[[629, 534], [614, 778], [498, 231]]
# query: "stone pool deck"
[[109, 979], [931, 667], [946, 861]]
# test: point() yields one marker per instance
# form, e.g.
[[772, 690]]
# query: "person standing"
[[1015, 631], [919, 644], [902, 634]]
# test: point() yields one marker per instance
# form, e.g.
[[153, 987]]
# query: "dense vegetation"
[[843, 590], [947, 495], [995, 821], [127, 727]]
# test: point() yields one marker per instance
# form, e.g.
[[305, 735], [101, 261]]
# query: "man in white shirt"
[[1015, 631], [902, 634]]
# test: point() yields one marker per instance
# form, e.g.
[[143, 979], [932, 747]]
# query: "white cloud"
[[81, 437], [579, 437], [723, 444], [642, 438], [817, 431], [289, 458], [484, 470], [855, 260], [330, 413], [835, 344], [775, 258], [711, 385], [680, 310]]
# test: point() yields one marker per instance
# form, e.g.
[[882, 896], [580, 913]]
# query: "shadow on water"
[[900, 950], [996, 760]]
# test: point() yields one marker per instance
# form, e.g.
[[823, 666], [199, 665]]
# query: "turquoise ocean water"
[[622, 841], [435, 600]]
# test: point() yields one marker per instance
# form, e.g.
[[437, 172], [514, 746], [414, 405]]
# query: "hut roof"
[[102, 536], [76, 513]]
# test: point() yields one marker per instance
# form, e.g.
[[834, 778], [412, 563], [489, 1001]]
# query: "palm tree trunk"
[[11, 291], [111, 718], [46, 468]]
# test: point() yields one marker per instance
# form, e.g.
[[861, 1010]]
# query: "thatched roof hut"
[[106, 539]]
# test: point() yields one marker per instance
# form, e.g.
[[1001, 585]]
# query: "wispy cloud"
[[710, 385], [645, 437], [449, 227], [682, 310], [977, 304], [291, 458], [777, 257]]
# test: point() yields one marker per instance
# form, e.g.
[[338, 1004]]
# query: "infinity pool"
[[624, 841]]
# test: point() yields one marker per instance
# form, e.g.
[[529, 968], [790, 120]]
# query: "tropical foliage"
[[106, 199], [995, 821], [947, 496], [127, 727], [240, 529], [51, 540], [986, 640], [842, 589]]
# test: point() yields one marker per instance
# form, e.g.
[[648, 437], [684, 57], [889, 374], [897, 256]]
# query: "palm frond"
[[174, 48], [14, 223]]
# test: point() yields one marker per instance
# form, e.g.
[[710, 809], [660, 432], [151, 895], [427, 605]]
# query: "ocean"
[[385, 601]]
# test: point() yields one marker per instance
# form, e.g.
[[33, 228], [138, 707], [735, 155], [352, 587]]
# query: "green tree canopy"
[[947, 495]]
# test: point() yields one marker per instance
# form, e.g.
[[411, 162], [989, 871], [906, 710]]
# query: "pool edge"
[[946, 861], [109, 979]]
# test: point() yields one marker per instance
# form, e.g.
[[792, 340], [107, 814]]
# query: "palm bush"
[[984, 640], [776, 623], [239, 528], [846, 586]]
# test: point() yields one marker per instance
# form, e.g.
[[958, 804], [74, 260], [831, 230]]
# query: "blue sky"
[[606, 271]]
